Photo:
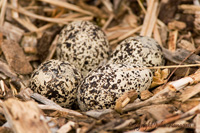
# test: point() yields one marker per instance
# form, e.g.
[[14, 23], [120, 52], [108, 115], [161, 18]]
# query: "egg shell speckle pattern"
[[84, 45], [138, 50], [103, 86], [56, 80]]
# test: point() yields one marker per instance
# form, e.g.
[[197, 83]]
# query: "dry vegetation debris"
[[28, 36]]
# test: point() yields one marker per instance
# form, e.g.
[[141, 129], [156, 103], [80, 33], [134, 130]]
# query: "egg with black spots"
[[138, 50], [102, 87], [57, 81], [84, 45]]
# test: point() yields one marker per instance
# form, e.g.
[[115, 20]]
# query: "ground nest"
[[29, 35]]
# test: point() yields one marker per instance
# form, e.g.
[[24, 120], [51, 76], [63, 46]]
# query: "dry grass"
[[174, 98]]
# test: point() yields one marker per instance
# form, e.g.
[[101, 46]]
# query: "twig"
[[181, 83], [64, 110], [189, 92], [191, 112], [180, 64], [175, 85], [163, 96], [44, 100], [167, 94], [52, 105]]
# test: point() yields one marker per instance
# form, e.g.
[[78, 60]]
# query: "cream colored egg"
[[102, 87], [56, 80], [138, 50], [84, 45]]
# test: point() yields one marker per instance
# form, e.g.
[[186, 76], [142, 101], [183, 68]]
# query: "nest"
[[28, 35]]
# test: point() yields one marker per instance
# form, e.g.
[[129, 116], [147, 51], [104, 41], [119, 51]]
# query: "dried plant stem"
[[108, 5], [48, 19], [191, 112], [44, 100], [126, 35], [159, 67], [68, 111], [173, 35], [153, 18], [3, 11], [26, 24], [44, 27], [68, 6], [189, 80], [189, 7], [167, 94], [163, 96], [197, 123], [156, 35], [141, 6], [1, 3], [108, 22], [15, 4], [2, 86], [150, 18], [52, 49], [96, 11], [180, 64], [147, 17], [50, 105], [39, 31]]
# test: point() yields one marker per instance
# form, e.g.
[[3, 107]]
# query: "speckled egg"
[[56, 80], [84, 45], [138, 50], [103, 86]]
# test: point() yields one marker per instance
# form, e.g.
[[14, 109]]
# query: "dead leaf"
[[160, 77]]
